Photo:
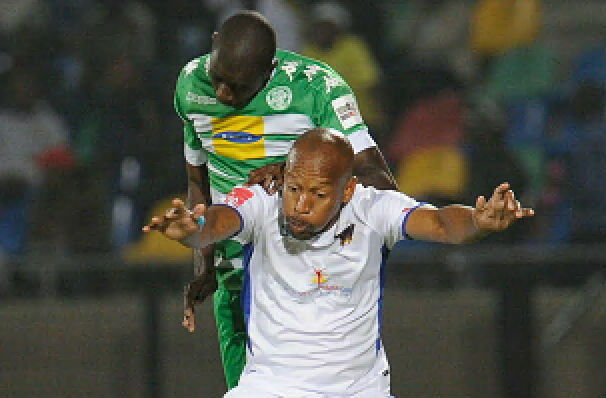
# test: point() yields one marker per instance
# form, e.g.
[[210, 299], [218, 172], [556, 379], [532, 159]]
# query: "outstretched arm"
[[181, 224], [462, 224]]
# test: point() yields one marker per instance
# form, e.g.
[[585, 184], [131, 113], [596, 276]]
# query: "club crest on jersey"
[[238, 196], [279, 98], [346, 235]]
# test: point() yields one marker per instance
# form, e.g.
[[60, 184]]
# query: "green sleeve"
[[336, 106], [191, 139]]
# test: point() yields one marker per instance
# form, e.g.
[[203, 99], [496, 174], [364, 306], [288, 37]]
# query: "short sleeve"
[[250, 203], [193, 151], [387, 213], [336, 107]]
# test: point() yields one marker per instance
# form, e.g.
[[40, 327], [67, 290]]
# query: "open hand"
[[500, 211], [178, 222], [270, 177]]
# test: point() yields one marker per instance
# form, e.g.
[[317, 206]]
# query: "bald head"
[[246, 40], [317, 182], [327, 151]]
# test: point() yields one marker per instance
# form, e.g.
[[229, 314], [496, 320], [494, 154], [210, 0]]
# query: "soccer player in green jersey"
[[243, 106]]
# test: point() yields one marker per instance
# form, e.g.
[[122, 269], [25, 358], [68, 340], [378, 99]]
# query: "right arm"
[[181, 224]]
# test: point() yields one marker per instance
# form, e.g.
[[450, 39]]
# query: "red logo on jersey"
[[238, 196], [319, 278]]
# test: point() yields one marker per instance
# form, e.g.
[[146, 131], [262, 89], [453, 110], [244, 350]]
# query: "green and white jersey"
[[302, 93]]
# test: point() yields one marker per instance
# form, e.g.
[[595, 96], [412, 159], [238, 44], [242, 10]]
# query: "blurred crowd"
[[460, 95]]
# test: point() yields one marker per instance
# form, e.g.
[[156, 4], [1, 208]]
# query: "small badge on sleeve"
[[346, 109], [238, 196]]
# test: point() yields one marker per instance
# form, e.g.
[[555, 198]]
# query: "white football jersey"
[[313, 308]]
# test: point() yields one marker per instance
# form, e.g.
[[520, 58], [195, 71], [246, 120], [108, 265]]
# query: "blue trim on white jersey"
[[384, 255], [406, 218], [247, 251], [239, 215]]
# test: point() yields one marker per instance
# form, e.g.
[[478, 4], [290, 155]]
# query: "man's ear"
[[350, 188]]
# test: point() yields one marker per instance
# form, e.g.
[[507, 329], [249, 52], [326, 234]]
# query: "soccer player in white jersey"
[[314, 267]]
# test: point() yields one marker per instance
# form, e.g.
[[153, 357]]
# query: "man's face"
[[311, 200], [235, 86]]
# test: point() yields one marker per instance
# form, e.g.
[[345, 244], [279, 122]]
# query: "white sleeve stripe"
[[361, 140], [195, 157]]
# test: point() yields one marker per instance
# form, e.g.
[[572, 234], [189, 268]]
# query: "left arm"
[[463, 224]]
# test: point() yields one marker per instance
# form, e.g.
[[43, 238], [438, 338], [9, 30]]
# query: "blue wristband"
[[201, 221]]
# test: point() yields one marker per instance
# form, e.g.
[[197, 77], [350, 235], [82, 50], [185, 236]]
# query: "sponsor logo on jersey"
[[279, 98], [238, 137], [346, 109], [238, 196], [320, 281], [200, 99], [346, 235], [319, 278]]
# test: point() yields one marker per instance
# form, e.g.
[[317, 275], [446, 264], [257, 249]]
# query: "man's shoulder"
[[194, 74], [194, 92], [364, 198], [304, 73], [242, 194]]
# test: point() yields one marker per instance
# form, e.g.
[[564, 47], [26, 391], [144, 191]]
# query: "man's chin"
[[302, 235]]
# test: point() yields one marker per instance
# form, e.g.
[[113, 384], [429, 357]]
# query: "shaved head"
[[318, 182], [246, 39], [327, 150]]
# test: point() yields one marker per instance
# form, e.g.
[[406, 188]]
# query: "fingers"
[[501, 190], [254, 177], [189, 319], [161, 223], [199, 211], [501, 210]]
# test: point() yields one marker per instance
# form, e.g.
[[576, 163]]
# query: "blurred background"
[[459, 94]]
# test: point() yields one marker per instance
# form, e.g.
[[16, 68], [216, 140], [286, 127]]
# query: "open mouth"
[[297, 226]]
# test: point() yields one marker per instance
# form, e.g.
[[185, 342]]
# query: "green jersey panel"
[[301, 94]]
